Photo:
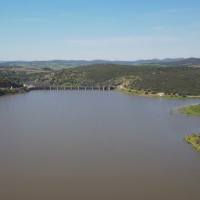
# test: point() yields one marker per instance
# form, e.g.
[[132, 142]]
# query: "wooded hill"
[[12, 80], [170, 80], [180, 81]]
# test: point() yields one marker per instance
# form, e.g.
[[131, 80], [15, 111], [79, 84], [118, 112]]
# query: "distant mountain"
[[187, 62], [158, 60], [60, 64]]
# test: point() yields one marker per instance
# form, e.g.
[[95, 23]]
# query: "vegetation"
[[194, 140], [180, 81], [5, 91], [193, 110], [146, 79], [13, 79]]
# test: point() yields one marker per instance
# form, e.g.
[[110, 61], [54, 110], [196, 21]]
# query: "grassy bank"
[[7, 91], [193, 110], [194, 140], [155, 95]]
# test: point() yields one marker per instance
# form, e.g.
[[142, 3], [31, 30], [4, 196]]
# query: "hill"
[[189, 62], [177, 81], [149, 79], [13, 79], [62, 64]]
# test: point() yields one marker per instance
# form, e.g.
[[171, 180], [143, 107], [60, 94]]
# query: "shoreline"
[[157, 95], [14, 91]]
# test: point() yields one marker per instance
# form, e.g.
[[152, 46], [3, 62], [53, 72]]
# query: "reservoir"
[[96, 145]]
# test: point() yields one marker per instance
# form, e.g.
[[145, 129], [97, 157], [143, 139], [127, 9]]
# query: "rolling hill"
[[62, 64]]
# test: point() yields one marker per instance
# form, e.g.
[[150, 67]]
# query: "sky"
[[99, 29]]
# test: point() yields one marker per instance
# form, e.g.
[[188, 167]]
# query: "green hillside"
[[149, 79], [181, 80]]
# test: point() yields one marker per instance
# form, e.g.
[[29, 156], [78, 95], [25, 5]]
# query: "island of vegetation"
[[192, 110], [194, 140]]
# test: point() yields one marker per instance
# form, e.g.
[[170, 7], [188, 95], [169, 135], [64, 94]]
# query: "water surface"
[[95, 145]]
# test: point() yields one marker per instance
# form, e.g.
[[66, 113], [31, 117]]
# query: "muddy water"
[[95, 145]]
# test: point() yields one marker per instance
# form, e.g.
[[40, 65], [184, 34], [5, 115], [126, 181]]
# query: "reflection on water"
[[83, 145]]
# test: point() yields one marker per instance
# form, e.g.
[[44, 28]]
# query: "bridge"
[[32, 87]]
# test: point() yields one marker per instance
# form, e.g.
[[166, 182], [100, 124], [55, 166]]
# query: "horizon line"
[[88, 60]]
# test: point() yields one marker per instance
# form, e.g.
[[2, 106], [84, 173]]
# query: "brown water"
[[92, 145]]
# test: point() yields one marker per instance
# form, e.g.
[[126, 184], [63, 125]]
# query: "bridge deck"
[[71, 88]]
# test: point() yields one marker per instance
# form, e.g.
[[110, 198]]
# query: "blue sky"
[[99, 29]]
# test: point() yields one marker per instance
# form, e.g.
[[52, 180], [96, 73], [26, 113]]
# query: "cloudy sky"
[[99, 29]]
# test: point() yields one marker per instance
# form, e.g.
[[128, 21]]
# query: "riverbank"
[[155, 95], [9, 91], [194, 140]]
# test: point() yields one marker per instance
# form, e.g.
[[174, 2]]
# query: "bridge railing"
[[71, 87]]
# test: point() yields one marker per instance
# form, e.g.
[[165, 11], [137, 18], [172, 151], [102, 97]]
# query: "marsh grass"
[[193, 110], [194, 140]]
